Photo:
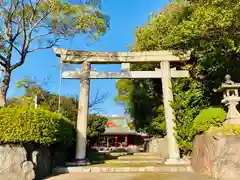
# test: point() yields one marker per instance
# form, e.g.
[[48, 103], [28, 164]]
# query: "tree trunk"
[[4, 89]]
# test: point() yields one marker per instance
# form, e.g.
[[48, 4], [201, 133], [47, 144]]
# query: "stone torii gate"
[[125, 58]]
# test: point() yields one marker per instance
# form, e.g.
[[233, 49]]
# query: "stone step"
[[146, 154], [165, 169], [139, 157], [137, 161]]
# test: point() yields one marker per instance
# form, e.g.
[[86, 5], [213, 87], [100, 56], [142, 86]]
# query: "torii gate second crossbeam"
[[124, 58]]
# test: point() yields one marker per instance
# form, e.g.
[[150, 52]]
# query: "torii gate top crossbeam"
[[78, 57]]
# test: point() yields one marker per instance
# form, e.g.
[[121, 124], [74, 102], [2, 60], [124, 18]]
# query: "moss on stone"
[[226, 129]]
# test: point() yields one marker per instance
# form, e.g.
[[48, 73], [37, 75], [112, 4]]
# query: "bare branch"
[[46, 47], [45, 82], [99, 98], [41, 35]]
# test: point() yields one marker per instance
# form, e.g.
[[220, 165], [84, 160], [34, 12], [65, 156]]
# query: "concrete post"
[[173, 149], [83, 114]]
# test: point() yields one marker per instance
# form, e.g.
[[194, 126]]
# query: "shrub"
[[28, 125], [194, 125], [212, 116], [208, 117]]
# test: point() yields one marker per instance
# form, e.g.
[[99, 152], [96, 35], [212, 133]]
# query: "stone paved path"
[[128, 176]]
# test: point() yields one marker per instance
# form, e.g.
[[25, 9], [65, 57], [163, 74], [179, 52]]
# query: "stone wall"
[[24, 162], [42, 160], [14, 163], [217, 155], [159, 145]]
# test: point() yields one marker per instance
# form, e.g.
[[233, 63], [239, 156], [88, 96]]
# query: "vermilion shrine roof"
[[118, 125]]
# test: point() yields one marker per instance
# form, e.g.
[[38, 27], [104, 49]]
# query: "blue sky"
[[125, 16]]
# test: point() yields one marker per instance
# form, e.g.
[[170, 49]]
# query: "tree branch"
[[18, 32], [28, 39], [46, 47], [37, 23], [26, 47], [2, 64], [15, 47], [41, 35], [98, 99], [15, 7], [3, 58]]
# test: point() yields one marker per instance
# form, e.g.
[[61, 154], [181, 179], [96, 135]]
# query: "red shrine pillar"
[[116, 141]]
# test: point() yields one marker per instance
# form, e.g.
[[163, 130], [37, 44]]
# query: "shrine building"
[[119, 135]]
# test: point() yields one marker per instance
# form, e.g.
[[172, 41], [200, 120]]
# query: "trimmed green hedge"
[[210, 117], [28, 125]]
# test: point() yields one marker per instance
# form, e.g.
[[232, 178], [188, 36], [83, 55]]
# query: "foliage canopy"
[[210, 29], [27, 26]]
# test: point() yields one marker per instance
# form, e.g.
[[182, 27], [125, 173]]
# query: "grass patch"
[[140, 158], [146, 154]]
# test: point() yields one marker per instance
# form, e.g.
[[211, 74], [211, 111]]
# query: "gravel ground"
[[128, 176]]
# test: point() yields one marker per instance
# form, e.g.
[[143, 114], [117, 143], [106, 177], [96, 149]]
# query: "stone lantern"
[[231, 99]]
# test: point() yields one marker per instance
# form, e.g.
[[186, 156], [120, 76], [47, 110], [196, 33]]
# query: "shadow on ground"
[[95, 157]]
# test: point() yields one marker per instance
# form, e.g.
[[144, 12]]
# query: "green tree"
[[32, 25], [141, 99], [210, 29], [96, 126]]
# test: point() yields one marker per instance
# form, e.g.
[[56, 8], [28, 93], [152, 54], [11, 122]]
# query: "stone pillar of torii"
[[125, 58]]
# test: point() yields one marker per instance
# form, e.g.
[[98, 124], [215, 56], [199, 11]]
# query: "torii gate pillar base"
[[175, 162]]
